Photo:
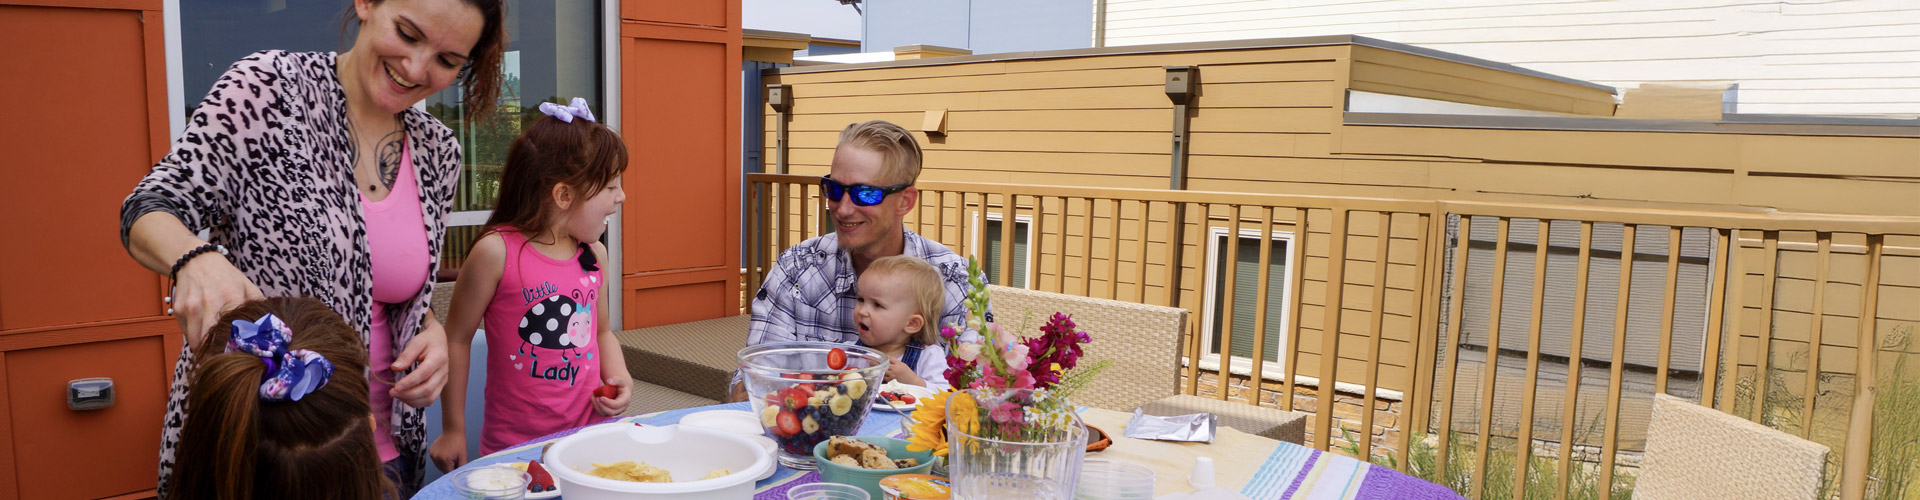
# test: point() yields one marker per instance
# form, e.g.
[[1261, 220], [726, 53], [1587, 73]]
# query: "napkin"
[[1197, 427]]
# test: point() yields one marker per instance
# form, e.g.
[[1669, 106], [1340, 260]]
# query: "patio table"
[[1257, 467]]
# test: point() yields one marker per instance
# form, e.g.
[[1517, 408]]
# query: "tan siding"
[[1853, 57]]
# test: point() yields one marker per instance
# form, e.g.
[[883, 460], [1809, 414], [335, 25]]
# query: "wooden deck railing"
[[1393, 296]]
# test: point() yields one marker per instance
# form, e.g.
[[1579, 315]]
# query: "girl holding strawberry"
[[534, 280]]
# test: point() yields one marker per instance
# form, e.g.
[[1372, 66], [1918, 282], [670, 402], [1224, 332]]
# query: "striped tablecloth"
[[1285, 471]]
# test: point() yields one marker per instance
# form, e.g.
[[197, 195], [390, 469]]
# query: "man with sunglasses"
[[809, 294]]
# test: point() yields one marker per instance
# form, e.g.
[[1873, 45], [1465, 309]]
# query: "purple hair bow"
[[578, 108], [291, 374]]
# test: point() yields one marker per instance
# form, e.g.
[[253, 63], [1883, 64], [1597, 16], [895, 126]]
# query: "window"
[[1563, 250], [553, 55], [1246, 286], [1021, 274]]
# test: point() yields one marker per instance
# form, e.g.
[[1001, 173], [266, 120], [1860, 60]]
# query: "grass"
[[1542, 474], [1896, 427]]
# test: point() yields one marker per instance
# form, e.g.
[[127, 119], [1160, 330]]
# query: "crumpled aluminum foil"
[[1196, 427]]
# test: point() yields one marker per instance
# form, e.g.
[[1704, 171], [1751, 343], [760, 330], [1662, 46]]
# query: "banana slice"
[[770, 417], [840, 405], [809, 425], [850, 375], [856, 388]]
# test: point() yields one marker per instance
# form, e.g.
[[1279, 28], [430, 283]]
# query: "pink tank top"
[[397, 245], [543, 353]]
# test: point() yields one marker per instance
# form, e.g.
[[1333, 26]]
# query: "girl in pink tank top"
[[534, 281]]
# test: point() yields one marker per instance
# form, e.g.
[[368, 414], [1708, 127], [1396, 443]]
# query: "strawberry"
[[836, 359], [906, 398], [788, 424], [793, 398], [540, 476], [607, 391]]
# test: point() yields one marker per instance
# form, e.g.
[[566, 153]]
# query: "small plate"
[[553, 493], [735, 421], [917, 392]]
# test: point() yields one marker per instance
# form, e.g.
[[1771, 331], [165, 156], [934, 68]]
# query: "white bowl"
[[685, 452]]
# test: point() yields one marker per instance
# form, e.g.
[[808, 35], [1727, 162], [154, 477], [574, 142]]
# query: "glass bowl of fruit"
[[806, 392]]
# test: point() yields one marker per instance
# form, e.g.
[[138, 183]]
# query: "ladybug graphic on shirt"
[[558, 323]]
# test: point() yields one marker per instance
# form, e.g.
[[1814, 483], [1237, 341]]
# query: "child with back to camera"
[[535, 281], [280, 409], [900, 299]]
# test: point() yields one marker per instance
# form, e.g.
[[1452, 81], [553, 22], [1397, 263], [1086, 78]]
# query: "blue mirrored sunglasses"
[[863, 195]]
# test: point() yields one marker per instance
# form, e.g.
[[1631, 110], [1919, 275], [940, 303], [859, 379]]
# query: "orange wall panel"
[[81, 133], [676, 304], [62, 453], [680, 108], [696, 12], [677, 113]]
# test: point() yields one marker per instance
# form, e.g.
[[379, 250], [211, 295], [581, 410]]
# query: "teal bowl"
[[869, 479]]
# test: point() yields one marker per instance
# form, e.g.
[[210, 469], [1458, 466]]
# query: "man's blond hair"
[[923, 281], [899, 151]]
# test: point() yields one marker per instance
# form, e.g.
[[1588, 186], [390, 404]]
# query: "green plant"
[[1896, 425], [1542, 474]]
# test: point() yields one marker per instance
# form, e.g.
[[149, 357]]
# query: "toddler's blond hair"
[[928, 289]]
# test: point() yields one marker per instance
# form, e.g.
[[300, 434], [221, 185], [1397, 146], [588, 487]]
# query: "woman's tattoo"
[[390, 159]]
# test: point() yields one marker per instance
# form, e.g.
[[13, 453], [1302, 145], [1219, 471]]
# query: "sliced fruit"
[[855, 388], [770, 417], [840, 405], [836, 359], [819, 398], [606, 391], [786, 424], [794, 397], [809, 425], [849, 375], [906, 398], [539, 474]]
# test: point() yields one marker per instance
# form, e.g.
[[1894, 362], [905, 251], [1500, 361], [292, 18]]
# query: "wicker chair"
[[442, 300], [1699, 453], [697, 358], [1144, 343]]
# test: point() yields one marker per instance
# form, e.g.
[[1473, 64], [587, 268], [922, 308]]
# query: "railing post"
[[1853, 469]]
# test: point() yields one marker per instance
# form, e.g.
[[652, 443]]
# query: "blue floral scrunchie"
[[291, 374]]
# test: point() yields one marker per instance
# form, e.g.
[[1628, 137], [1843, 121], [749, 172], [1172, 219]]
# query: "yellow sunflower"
[[930, 425], [966, 413]]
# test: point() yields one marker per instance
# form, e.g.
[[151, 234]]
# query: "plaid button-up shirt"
[[809, 294]]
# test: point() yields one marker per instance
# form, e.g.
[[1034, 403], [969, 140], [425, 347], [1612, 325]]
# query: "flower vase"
[[1013, 443]]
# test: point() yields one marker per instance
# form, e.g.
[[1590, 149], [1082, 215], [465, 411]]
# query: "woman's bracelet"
[[195, 252]]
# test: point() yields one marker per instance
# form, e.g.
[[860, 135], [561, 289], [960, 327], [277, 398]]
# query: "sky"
[[821, 18]]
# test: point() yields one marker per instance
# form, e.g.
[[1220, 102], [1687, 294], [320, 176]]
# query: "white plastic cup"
[[492, 482], [827, 491], [1114, 480], [1202, 475]]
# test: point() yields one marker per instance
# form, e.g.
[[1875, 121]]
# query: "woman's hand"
[[429, 349], [449, 452], [623, 387], [206, 288]]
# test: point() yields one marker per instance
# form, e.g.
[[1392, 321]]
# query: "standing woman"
[[313, 174]]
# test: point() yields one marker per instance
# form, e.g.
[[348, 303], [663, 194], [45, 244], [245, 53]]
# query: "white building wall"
[[1846, 57]]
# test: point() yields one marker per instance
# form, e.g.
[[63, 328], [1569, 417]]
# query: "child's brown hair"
[[929, 291], [234, 445], [581, 154]]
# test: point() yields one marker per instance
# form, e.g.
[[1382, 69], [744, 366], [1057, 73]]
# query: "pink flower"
[[1003, 336], [1007, 412], [1017, 357], [967, 352]]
